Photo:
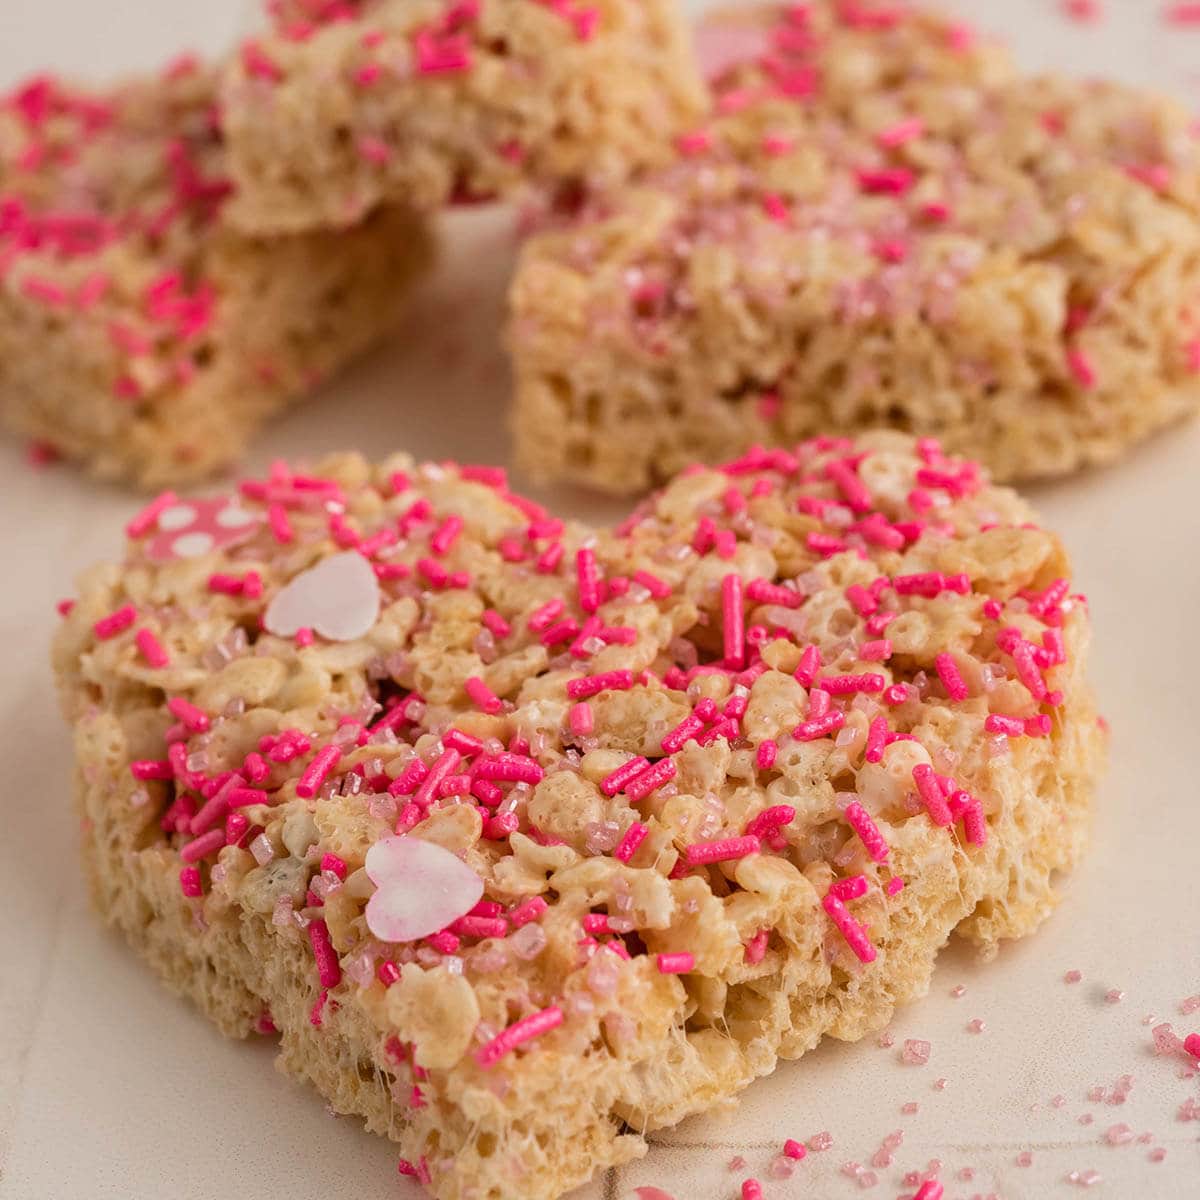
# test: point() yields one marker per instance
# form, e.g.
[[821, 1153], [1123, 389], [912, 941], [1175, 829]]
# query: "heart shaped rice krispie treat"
[[344, 104], [881, 223], [138, 333], [467, 802]]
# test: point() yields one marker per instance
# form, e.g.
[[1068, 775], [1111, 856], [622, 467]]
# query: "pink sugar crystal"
[[916, 1051], [1024, 1159], [1072, 976], [910, 1108], [1085, 1179], [1118, 1135], [976, 1025], [820, 1141]]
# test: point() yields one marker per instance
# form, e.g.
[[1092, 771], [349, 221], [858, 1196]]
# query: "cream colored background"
[[110, 1089]]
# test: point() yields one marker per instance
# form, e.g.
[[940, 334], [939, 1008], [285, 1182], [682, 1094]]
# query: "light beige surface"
[[112, 1090]]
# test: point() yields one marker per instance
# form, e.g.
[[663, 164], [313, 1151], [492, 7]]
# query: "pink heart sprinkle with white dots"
[[420, 889], [190, 528]]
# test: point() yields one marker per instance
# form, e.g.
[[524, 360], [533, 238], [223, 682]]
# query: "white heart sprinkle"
[[338, 598], [420, 888], [176, 517], [192, 545]]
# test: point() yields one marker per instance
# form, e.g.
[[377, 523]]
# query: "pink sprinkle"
[[580, 719], [696, 142], [527, 911], [630, 841], [734, 620], [931, 794], [388, 973], [509, 768], [893, 181], [721, 850], [1191, 1044], [151, 649], [794, 1149], [587, 575], [446, 535], [189, 882], [756, 947], [952, 680], [533, 1026], [1184, 13], [751, 1190], [765, 758], [771, 820], [876, 651], [1072, 976], [929, 1190], [763, 591], [374, 150], [203, 846], [281, 527], [1082, 368], [495, 624], [657, 588], [998, 723], [115, 622], [851, 930], [900, 133], [616, 780], [591, 685], [846, 685], [849, 889], [676, 964], [317, 771], [329, 972], [810, 664], [193, 719], [650, 780], [862, 824], [687, 729], [145, 520], [810, 731], [305, 637], [482, 696], [877, 733], [151, 768]]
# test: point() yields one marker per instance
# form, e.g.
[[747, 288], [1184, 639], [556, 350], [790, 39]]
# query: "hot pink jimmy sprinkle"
[[116, 622], [862, 824], [150, 648], [532, 1026], [630, 841], [950, 676], [587, 576], [317, 771], [329, 971], [482, 696], [591, 685], [851, 930], [733, 620], [721, 850], [676, 964]]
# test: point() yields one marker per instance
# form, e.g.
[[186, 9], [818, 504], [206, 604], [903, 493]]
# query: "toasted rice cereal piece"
[[138, 334], [882, 223], [345, 106], [798, 828]]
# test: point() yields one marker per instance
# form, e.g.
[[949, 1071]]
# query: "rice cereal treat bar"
[[346, 104], [137, 333], [882, 223], [466, 802]]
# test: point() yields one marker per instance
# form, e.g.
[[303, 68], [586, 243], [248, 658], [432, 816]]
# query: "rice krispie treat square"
[[139, 334], [881, 223], [347, 104], [470, 804]]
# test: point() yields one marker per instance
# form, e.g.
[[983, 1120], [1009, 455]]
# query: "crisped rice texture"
[[882, 224], [137, 333], [396, 101], [641, 1049]]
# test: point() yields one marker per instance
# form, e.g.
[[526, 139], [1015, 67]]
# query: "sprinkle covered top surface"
[[107, 203], [881, 222], [732, 748]]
